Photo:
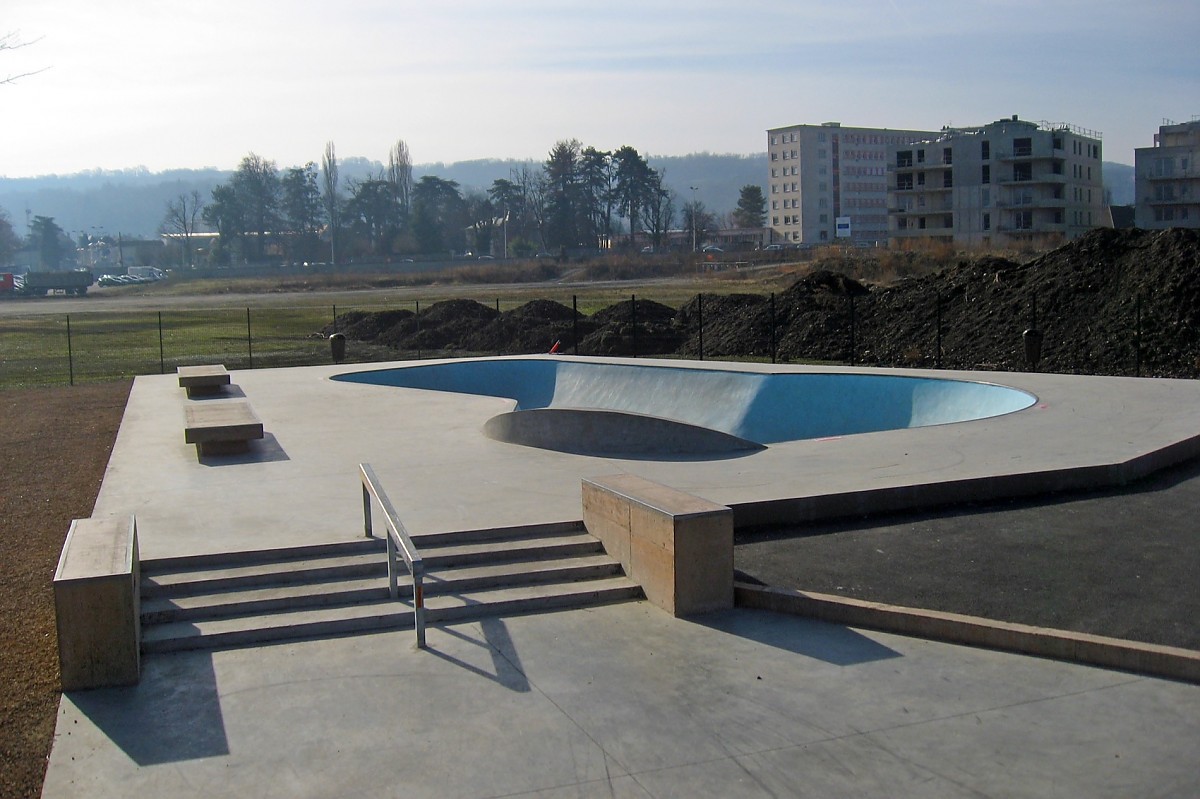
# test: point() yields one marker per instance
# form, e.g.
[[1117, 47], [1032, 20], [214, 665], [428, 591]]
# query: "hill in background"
[[133, 201]]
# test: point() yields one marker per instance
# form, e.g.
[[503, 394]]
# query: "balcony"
[[1048, 177]]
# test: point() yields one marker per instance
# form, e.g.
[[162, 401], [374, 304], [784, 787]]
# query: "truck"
[[37, 284]]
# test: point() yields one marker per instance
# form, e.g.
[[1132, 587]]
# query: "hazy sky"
[[165, 83]]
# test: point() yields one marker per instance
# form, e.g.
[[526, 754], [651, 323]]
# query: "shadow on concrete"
[[829, 643], [265, 450], [172, 715], [230, 391], [506, 663]]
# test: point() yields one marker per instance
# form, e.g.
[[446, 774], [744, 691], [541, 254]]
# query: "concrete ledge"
[[1095, 650], [677, 546], [203, 380], [96, 603], [221, 428]]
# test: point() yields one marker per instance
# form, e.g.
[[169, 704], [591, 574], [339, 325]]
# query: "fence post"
[[700, 310], [633, 321], [417, 317], [773, 341], [1137, 338], [162, 362], [249, 339], [937, 357], [499, 346], [575, 321], [335, 319], [70, 354], [850, 360]]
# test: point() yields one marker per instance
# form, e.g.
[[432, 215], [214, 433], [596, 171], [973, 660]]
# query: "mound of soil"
[[1111, 302]]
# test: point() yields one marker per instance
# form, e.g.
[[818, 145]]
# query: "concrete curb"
[[1149, 659]]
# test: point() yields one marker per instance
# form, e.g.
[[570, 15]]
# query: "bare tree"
[[12, 41], [182, 215], [399, 174], [333, 204]]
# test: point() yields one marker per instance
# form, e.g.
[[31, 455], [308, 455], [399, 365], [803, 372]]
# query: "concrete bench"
[[677, 546], [203, 381], [96, 604], [221, 428]]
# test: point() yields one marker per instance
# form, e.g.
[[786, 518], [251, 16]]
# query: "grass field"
[[103, 345]]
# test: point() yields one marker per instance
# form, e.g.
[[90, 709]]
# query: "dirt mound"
[[1111, 302]]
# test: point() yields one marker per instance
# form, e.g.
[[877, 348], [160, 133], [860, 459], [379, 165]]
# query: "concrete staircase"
[[219, 601]]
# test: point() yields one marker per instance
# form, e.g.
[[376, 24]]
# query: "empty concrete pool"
[[606, 408]]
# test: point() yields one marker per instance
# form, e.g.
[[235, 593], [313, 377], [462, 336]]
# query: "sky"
[[166, 84]]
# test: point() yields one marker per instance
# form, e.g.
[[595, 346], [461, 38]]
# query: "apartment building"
[[829, 183], [1167, 178], [1007, 183]]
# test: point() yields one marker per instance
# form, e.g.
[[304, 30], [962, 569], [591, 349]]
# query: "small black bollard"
[[1033, 348], [337, 343]]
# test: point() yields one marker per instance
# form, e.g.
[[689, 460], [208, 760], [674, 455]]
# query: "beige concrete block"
[[677, 546], [606, 516], [96, 601], [203, 380]]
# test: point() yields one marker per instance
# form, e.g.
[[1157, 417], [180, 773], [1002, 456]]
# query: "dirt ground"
[[54, 446], [1113, 302]]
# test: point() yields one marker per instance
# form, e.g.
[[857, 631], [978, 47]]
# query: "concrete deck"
[[299, 485], [621, 700]]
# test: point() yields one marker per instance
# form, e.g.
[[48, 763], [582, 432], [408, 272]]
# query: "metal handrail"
[[397, 540]]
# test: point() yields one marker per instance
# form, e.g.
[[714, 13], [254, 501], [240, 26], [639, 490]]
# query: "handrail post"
[[419, 607], [367, 512], [393, 589]]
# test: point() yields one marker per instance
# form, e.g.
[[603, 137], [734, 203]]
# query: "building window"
[[985, 177], [948, 221], [821, 170], [1023, 220], [986, 197], [921, 222], [948, 180], [822, 187], [987, 220], [904, 159], [1022, 172], [920, 178], [947, 155], [774, 172], [904, 182], [902, 223], [774, 207], [774, 140], [920, 156], [985, 149], [1022, 147], [1058, 216], [774, 220], [774, 156], [822, 203], [824, 235], [1056, 142], [774, 188]]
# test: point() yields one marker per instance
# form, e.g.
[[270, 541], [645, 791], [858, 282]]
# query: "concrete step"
[[384, 614], [221, 560], [546, 530], [449, 554], [274, 598]]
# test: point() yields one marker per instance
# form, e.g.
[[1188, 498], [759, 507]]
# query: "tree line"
[[579, 199]]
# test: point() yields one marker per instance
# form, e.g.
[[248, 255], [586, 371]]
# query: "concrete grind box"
[[96, 604], [677, 546]]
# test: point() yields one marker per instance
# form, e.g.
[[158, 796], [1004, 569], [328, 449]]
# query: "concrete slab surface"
[[627, 701], [621, 700], [299, 485]]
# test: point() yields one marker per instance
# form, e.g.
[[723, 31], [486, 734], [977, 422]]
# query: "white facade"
[[1007, 183], [1167, 178], [820, 174]]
